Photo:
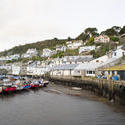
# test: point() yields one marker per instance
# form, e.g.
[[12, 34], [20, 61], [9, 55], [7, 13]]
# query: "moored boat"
[[35, 84], [45, 83], [8, 87], [26, 86]]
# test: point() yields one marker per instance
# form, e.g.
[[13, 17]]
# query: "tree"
[[55, 39], [83, 37], [113, 31], [91, 31], [69, 39], [122, 31], [116, 28]]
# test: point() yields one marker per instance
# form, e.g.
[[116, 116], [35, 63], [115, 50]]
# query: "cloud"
[[24, 21]]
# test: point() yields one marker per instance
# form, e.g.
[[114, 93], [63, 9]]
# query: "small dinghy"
[[76, 88]]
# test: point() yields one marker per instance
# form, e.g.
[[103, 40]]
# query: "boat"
[[26, 86], [8, 87], [18, 85], [45, 83], [76, 88], [35, 84]]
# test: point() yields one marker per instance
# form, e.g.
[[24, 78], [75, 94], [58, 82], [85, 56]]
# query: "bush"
[[114, 38], [90, 41]]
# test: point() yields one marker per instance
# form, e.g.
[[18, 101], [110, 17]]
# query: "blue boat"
[[26, 87]]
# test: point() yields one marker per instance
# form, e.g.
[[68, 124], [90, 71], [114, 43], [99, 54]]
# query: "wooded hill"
[[87, 35]]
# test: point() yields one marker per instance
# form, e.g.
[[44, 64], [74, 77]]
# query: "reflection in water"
[[51, 106]]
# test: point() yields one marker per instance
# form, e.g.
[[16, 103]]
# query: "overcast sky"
[[24, 21]]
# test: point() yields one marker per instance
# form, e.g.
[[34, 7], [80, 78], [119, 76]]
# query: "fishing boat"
[[35, 84], [18, 85], [41, 84], [45, 83], [26, 86], [8, 87]]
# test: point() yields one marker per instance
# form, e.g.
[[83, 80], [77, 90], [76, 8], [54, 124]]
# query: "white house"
[[3, 58], [30, 53], [16, 70], [63, 70], [15, 57], [102, 39], [7, 67], [118, 53], [11, 57], [89, 69], [47, 52], [70, 60], [74, 44], [86, 49], [61, 48], [36, 68]]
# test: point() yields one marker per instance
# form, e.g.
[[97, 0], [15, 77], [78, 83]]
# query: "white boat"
[[76, 88]]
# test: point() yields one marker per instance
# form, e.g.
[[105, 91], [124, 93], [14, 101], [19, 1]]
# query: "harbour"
[[57, 104]]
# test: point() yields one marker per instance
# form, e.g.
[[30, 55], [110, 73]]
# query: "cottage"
[[118, 53], [63, 70], [16, 70], [30, 53], [90, 68], [86, 49], [74, 44], [47, 52], [11, 57], [102, 39], [87, 69], [15, 57], [61, 48]]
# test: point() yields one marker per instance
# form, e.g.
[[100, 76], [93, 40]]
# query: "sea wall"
[[112, 90]]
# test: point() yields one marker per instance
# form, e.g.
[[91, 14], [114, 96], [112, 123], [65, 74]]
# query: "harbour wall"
[[112, 90]]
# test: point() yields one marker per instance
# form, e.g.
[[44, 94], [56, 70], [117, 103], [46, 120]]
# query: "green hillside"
[[38, 45], [87, 35]]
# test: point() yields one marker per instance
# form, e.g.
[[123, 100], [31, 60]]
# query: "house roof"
[[115, 68], [65, 67], [88, 66], [95, 65]]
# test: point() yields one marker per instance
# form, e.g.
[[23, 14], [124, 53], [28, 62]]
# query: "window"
[[123, 53], [90, 72]]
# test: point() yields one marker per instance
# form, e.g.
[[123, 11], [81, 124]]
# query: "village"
[[109, 66]]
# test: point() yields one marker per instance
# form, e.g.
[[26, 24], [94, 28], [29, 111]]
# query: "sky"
[[26, 21]]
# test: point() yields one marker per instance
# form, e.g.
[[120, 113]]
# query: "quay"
[[110, 89]]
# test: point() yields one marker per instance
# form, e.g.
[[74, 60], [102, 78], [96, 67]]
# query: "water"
[[51, 106]]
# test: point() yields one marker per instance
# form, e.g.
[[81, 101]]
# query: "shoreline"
[[84, 94]]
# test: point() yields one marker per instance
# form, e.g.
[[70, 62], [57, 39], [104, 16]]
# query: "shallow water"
[[58, 106]]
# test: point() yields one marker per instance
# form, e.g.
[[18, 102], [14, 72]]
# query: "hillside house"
[[16, 69], [61, 48], [47, 52], [30, 53], [102, 39], [90, 68], [11, 57], [86, 49], [74, 44]]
